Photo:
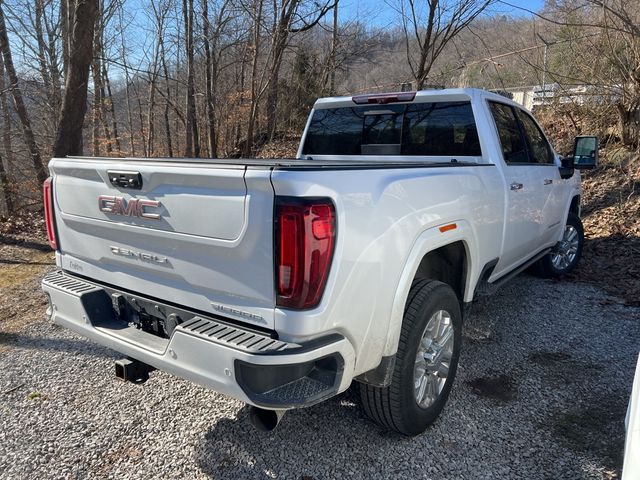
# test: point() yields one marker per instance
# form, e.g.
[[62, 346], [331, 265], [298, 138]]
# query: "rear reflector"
[[47, 195], [383, 98], [304, 240]]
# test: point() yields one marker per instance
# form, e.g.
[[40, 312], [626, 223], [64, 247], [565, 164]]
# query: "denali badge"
[[145, 257], [240, 313], [135, 207]]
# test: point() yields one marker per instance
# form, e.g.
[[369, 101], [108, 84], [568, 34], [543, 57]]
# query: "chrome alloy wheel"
[[566, 250], [433, 358]]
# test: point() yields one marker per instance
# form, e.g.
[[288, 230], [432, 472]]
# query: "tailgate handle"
[[122, 179]]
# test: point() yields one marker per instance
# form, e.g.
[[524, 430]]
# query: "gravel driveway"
[[541, 392]]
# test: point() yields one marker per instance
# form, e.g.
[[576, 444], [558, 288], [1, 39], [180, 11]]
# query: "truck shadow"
[[9, 340], [310, 443], [31, 245]]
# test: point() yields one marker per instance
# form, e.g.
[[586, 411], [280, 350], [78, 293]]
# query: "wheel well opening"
[[446, 264]]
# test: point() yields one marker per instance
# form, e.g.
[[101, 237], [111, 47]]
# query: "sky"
[[379, 12]]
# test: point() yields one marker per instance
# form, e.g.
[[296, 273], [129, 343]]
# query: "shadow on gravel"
[[596, 429], [19, 340], [593, 425], [8, 261], [501, 387], [300, 447], [10, 240]]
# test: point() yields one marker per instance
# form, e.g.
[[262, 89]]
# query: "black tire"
[[395, 407], [546, 267]]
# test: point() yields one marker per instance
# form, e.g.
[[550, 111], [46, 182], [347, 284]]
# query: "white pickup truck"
[[280, 282]]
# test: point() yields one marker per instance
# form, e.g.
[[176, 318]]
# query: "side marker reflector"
[[446, 228]]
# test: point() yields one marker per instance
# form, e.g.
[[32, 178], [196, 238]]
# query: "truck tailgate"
[[194, 234]]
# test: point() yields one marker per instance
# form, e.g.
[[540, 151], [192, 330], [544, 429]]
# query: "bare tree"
[[127, 79], [255, 94], [209, 78], [598, 45], [8, 157], [428, 28], [111, 107], [97, 82], [192, 140], [334, 51], [74, 103], [18, 101], [67, 12], [6, 188], [290, 16]]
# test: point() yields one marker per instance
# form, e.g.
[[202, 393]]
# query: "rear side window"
[[335, 131], [511, 140], [447, 129], [427, 129], [539, 149]]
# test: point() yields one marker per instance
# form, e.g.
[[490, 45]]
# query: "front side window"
[[539, 149], [514, 150], [420, 129]]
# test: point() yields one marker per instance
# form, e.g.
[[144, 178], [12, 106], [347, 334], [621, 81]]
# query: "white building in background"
[[537, 95]]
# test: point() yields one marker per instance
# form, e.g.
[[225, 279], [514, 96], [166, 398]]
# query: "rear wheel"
[[566, 254], [426, 362]]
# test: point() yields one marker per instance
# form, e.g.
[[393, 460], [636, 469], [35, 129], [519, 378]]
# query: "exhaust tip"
[[265, 420]]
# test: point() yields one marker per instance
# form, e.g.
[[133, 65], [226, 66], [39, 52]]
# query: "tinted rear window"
[[440, 128]]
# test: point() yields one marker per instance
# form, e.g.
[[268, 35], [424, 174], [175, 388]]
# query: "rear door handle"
[[516, 186], [548, 181]]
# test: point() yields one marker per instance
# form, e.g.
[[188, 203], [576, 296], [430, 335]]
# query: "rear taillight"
[[305, 231], [47, 195]]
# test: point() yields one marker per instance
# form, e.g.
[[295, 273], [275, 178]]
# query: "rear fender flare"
[[426, 242]]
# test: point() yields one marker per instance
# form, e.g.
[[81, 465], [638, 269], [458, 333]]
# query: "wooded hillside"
[[213, 78]]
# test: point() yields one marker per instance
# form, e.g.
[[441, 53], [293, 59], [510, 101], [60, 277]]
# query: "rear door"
[[194, 234], [524, 191]]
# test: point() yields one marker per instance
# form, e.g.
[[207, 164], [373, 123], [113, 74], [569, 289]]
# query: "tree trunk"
[[74, 103], [629, 118], [6, 133], [97, 87], [6, 188], [334, 49], [240, 86], [141, 120], [424, 67], [42, 48], [192, 147], [29, 138], [167, 125], [132, 143], [253, 109], [278, 46], [111, 107], [67, 16], [54, 68], [211, 129], [151, 103]]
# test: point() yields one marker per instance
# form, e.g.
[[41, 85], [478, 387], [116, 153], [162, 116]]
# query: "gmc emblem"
[[134, 207]]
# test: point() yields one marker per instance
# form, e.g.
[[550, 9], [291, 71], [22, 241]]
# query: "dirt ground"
[[25, 257]]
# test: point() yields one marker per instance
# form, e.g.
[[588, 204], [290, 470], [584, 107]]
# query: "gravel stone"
[[542, 388]]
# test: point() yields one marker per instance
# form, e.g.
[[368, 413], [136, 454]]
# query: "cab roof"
[[420, 96]]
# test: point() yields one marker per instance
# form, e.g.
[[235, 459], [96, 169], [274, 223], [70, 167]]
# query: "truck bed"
[[294, 163]]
